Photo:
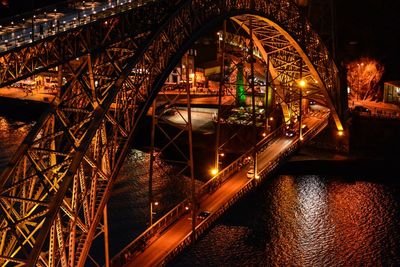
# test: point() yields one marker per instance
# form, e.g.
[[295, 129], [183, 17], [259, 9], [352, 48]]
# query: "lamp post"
[[33, 21], [152, 204]]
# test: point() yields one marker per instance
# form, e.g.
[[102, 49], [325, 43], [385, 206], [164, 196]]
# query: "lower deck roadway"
[[172, 237]]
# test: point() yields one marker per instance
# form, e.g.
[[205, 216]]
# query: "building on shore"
[[391, 92]]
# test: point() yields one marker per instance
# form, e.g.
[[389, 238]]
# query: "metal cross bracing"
[[54, 191]]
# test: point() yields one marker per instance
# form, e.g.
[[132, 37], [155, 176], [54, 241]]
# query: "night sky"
[[370, 28], [364, 28]]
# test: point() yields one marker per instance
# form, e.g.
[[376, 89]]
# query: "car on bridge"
[[290, 132], [203, 214], [250, 174], [304, 128]]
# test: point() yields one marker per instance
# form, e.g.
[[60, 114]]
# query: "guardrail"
[[201, 227], [143, 240], [146, 237], [272, 165], [239, 163]]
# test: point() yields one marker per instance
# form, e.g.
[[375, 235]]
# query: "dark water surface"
[[306, 220], [12, 132]]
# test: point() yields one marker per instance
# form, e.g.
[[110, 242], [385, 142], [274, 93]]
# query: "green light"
[[240, 96]]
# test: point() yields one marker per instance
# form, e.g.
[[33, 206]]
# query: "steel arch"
[[55, 188]]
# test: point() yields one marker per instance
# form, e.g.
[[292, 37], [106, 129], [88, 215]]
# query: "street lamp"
[[151, 211]]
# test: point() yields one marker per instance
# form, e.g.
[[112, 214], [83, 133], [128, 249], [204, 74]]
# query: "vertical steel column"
[[301, 85], [189, 125], [105, 230], [300, 99], [33, 21], [221, 84], [253, 99], [153, 126], [266, 100]]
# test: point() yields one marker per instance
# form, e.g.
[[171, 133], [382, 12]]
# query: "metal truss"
[[54, 191]]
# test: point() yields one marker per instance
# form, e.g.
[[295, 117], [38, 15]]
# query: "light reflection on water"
[[12, 133], [306, 221]]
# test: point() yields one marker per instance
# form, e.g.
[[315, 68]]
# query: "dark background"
[[370, 28], [363, 28]]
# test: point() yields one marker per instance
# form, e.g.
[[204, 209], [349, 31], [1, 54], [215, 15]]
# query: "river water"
[[303, 220], [307, 220]]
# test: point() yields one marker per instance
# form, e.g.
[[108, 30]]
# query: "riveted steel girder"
[[53, 192]]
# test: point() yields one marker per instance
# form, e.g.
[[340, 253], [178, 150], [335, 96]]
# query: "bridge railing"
[[205, 224], [272, 165], [143, 240], [158, 227], [140, 243], [243, 160]]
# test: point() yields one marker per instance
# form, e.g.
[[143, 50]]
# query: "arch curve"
[[285, 19]]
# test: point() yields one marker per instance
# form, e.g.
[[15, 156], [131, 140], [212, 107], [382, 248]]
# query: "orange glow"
[[156, 203], [302, 83], [340, 133], [214, 171]]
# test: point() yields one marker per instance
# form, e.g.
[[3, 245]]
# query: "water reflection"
[[306, 221], [12, 133]]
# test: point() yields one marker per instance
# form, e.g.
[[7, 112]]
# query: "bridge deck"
[[156, 252]]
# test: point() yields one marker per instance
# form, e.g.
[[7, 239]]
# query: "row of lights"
[[64, 22]]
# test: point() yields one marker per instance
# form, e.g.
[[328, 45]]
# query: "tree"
[[363, 76]]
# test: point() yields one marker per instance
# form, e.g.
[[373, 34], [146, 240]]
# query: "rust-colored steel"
[[53, 192]]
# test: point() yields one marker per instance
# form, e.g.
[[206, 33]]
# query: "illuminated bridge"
[[111, 68]]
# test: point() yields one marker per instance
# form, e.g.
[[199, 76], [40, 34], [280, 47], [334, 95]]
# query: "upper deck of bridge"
[[17, 31]]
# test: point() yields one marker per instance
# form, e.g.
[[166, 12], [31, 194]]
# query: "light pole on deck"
[[152, 205]]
